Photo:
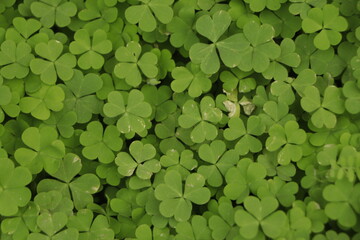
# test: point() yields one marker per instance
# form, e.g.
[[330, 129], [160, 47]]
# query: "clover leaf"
[[259, 5], [285, 24], [352, 92], [328, 22], [130, 64], [219, 159], [39, 103], [261, 213], [200, 120], [90, 227], [246, 177], [79, 92], [195, 229], [183, 162], [63, 121], [15, 59], [5, 93], [229, 49], [90, 49], [176, 201], [43, 150], [283, 191], [181, 28], [55, 65], [132, 115], [98, 15], [342, 203], [222, 224], [323, 112], [143, 14], [79, 189], [287, 138], [26, 30], [247, 142], [262, 47], [13, 190], [160, 99], [141, 161], [100, 143], [276, 112], [287, 57], [191, 78], [53, 12]]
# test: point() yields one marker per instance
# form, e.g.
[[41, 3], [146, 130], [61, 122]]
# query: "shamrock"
[[79, 92], [53, 12], [352, 92], [54, 65], [195, 229], [247, 141], [170, 135], [99, 143], [182, 163], [320, 61], [191, 78], [177, 202], [300, 225], [141, 159], [5, 95], [330, 24], [90, 227], [287, 57], [133, 115], [284, 89], [314, 213], [262, 49], [13, 193], [259, 5], [78, 189], [159, 98], [52, 224], [322, 112], [181, 29], [143, 14], [98, 15], [237, 79], [15, 59], [246, 177], [43, 150], [261, 213], [19, 226], [63, 121], [121, 33], [283, 191], [90, 50], [220, 159], [222, 224], [276, 112], [342, 204], [285, 24], [287, 138], [130, 62], [201, 120], [303, 6], [26, 30], [42, 101], [229, 48]]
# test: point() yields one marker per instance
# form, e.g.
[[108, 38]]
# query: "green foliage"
[[179, 120]]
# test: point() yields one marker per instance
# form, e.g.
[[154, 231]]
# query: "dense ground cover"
[[184, 120]]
